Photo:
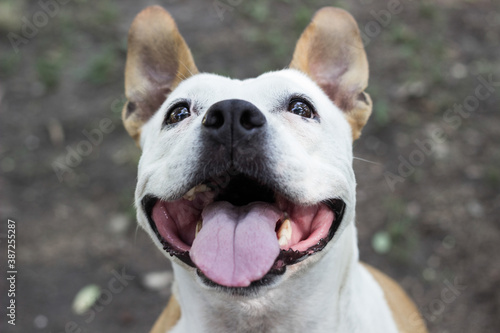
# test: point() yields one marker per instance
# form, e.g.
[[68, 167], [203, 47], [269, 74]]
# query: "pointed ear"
[[331, 52], [158, 59]]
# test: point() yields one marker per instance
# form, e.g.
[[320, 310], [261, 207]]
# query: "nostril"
[[246, 120], [251, 119], [214, 119]]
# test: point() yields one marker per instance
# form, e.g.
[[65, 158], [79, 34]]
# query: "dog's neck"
[[309, 301]]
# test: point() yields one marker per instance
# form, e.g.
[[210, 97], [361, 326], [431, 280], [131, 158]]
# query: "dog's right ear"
[[158, 59]]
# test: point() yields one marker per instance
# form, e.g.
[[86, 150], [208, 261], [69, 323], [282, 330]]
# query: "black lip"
[[290, 257], [253, 288], [285, 258]]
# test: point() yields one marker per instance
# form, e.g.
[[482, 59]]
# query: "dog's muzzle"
[[235, 223]]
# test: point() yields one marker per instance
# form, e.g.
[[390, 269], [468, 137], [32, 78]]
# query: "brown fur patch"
[[168, 318], [404, 311]]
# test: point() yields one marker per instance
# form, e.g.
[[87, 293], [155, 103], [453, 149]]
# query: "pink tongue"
[[237, 245]]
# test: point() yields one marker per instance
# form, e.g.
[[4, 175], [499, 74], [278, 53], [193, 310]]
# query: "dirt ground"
[[428, 167]]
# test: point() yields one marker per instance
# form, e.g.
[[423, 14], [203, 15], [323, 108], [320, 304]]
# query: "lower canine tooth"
[[199, 225], [285, 233]]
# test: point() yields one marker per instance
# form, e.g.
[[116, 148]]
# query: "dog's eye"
[[300, 108], [177, 113]]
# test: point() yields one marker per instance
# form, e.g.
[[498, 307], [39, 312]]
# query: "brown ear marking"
[[331, 52], [158, 59]]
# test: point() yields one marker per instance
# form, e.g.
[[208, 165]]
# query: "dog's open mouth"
[[241, 233]]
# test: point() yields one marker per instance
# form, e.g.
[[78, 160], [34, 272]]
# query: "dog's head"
[[239, 180]]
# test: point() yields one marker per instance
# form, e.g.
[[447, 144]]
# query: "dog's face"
[[241, 180]]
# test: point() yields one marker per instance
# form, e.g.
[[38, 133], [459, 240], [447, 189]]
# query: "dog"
[[248, 187]]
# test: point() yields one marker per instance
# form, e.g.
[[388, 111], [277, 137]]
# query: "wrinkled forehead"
[[263, 91]]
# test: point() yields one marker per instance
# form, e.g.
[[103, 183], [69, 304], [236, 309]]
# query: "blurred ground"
[[427, 210]]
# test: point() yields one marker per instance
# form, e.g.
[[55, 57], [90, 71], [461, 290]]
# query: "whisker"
[[362, 159], [186, 67], [181, 76], [136, 230]]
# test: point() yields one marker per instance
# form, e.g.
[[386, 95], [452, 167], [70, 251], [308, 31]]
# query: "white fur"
[[328, 292]]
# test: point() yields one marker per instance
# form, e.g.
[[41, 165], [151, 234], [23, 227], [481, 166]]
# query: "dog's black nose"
[[233, 120]]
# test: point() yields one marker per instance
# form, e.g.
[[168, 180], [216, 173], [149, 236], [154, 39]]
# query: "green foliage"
[[302, 17], [107, 13], [258, 10], [49, 69], [427, 10], [10, 13], [399, 229], [381, 112], [102, 66], [382, 242], [9, 63], [272, 40], [493, 175]]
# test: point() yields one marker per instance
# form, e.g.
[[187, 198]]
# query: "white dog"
[[248, 187]]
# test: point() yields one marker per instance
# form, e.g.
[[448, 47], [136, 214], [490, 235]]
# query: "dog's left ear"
[[158, 59], [331, 52]]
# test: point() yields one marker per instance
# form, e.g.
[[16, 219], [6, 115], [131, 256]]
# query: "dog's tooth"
[[285, 233], [199, 225], [202, 188], [191, 194]]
